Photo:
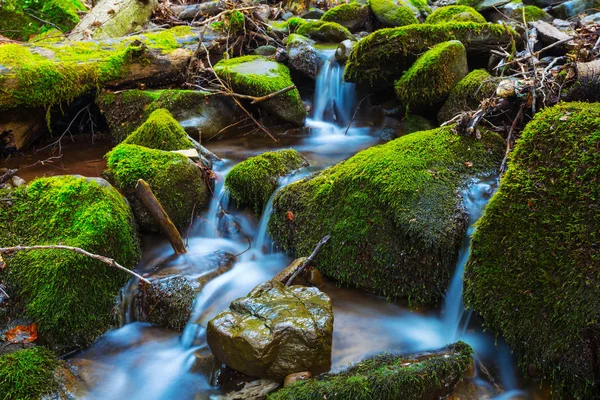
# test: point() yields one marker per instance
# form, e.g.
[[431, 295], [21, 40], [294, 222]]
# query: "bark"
[[587, 84]]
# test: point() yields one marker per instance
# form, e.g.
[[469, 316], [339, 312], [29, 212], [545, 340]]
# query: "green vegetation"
[[431, 78], [233, 22], [468, 93], [260, 76], [324, 31], [252, 182], [532, 13], [351, 16], [391, 14], [533, 271], [294, 23], [21, 19], [68, 295], [387, 377], [28, 374], [75, 68], [392, 210], [160, 131], [415, 123], [380, 58], [175, 180], [455, 14]]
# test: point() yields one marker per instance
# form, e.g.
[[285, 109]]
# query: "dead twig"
[[355, 112], [308, 261]]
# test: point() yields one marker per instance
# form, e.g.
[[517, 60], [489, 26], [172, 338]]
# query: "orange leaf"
[[289, 216], [22, 334]]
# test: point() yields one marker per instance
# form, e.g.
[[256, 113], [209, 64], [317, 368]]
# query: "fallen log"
[[587, 83], [144, 192]]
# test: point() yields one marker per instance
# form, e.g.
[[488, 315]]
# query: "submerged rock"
[[253, 181], [161, 132], [388, 377], [533, 269], [352, 16], [430, 79], [468, 94], [68, 295], [175, 180], [274, 331], [260, 76], [323, 31], [455, 14], [302, 56], [394, 212]]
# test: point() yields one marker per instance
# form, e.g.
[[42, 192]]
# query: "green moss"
[[28, 374], [532, 13], [468, 94], [232, 22], [294, 23], [391, 14], [174, 179], [429, 80], [325, 31], [252, 182], [415, 123], [70, 296], [392, 210], [533, 271], [260, 76], [160, 131], [455, 14], [75, 68], [387, 377], [350, 15], [380, 58]]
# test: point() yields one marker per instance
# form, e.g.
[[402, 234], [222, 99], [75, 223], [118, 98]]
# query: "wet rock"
[[416, 221], [295, 377], [201, 114], [113, 19], [260, 76], [431, 78], [265, 51], [302, 56], [252, 182], [343, 50], [543, 215], [572, 8], [287, 15], [389, 377], [20, 128], [414, 123], [549, 34], [175, 180], [322, 31], [274, 331], [352, 16], [388, 133], [313, 13]]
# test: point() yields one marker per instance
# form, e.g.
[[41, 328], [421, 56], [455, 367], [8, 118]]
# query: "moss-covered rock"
[[294, 23], [68, 295], [198, 111], [393, 211], [175, 180], [260, 76], [351, 16], [455, 14], [162, 132], [28, 374], [380, 58], [468, 93], [18, 17], [533, 271], [415, 123], [388, 377], [323, 31], [252, 182], [391, 14], [430, 79], [532, 13]]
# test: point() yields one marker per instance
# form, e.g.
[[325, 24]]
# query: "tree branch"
[[308, 261]]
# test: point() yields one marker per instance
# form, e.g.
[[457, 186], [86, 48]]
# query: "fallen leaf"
[[289, 216], [22, 334], [468, 164], [2, 263]]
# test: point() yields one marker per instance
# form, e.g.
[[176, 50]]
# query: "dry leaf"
[[289, 216], [22, 334]]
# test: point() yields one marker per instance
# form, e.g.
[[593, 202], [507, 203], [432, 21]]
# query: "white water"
[[138, 361]]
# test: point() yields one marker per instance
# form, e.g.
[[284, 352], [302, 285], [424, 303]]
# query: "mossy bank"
[[28, 374]]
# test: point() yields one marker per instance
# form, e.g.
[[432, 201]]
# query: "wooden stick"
[[156, 210], [105, 260], [270, 96], [308, 261]]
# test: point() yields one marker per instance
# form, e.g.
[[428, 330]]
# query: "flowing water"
[[139, 361]]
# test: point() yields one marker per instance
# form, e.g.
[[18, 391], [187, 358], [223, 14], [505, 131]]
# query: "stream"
[[139, 361]]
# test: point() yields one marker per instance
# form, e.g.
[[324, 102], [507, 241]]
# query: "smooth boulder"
[[274, 331], [352, 16], [302, 56], [323, 31]]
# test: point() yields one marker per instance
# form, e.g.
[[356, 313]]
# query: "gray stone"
[[343, 50], [287, 15], [302, 56], [314, 13], [549, 34], [265, 50], [572, 8]]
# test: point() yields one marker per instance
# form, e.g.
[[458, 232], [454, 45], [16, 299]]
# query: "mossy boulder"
[[260, 76], [414, 123], [394, 212], [294, 23], [18, 17], [28, 374], [428, 82], [160, 131], [198, 112], [533, 271], [175, 180], [388, 377], [323, 31], [274, 331], [252, 182], [391, 14], [351, 16], [302, 56], [381, 58], [532, 13], [468, 94], [68, 295], [455, 14]]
